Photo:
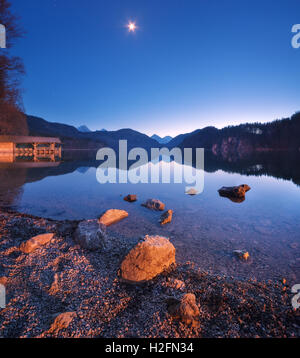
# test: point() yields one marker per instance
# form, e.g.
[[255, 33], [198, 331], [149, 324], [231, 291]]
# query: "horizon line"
[[167, 135]]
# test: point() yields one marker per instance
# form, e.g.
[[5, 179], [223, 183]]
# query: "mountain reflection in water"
[[205, 229], [280, 165]]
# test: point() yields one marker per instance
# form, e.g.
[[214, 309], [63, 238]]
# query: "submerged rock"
[[130, 198], [166, 217], [154, 204], [148, 259], [242, 254], [113, 216], [235, 200], [36, 242], [185, 309], [234, 191], [192, 191], [294, 245], [90, 235]]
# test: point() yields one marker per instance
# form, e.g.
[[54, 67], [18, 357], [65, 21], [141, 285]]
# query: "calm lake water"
[[206, 228]]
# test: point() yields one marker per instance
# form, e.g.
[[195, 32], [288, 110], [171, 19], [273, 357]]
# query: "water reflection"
[[14, 175], [206, 228], [233, 199], [281, 165], [11, 185]]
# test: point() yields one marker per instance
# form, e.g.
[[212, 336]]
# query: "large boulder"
[[148, 259], [154, 204], [234, 191], [90, 235], [185, 309], [112, 216], [36, 242]]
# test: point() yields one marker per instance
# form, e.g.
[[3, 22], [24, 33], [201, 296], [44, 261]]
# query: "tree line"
[[12, 119]]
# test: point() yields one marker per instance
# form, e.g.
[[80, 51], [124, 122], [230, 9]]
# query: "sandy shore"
[[61, 277]]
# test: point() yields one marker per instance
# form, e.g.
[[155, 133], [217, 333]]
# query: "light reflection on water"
[[206, 228]]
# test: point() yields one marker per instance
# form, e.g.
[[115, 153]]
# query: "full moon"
[[131, 27]]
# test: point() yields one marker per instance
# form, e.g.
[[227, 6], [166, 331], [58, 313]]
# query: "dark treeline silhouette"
[[12, 119], [283, 134], [280, 165]]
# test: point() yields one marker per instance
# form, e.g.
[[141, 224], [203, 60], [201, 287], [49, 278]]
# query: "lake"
[[206, 228]]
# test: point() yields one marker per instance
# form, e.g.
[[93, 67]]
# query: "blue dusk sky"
[[189, 64]]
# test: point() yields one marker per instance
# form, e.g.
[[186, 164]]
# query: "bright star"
[[131, 27]]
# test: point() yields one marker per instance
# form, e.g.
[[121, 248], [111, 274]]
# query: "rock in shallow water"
[[130, 198], [234, 191], [90, 235], [154, 204], [234, 199], [242, 254], [192, 191], [148, 259], [36, 242], [166, 217], [113, 216]]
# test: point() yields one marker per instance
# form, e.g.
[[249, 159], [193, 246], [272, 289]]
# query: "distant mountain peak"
[[161, 140], [84, 129]]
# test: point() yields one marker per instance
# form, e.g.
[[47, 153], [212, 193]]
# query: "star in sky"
[[131, 27]]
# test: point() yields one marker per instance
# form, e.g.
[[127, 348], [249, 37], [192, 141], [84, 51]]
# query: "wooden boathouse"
[[35, 149]]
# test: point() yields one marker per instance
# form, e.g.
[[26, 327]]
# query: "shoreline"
[[61, 277]]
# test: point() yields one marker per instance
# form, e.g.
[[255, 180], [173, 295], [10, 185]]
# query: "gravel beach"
[[62, 290]]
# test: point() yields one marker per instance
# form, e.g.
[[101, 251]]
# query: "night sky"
[[189, 64]]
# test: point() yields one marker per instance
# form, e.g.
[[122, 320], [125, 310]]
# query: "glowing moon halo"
[[131, 27]]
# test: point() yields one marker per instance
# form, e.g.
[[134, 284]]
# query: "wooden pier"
[[35, 149]]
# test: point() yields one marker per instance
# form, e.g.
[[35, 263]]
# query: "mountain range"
[[283, 134], [72, 138], [161, 140], [84, 129]]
